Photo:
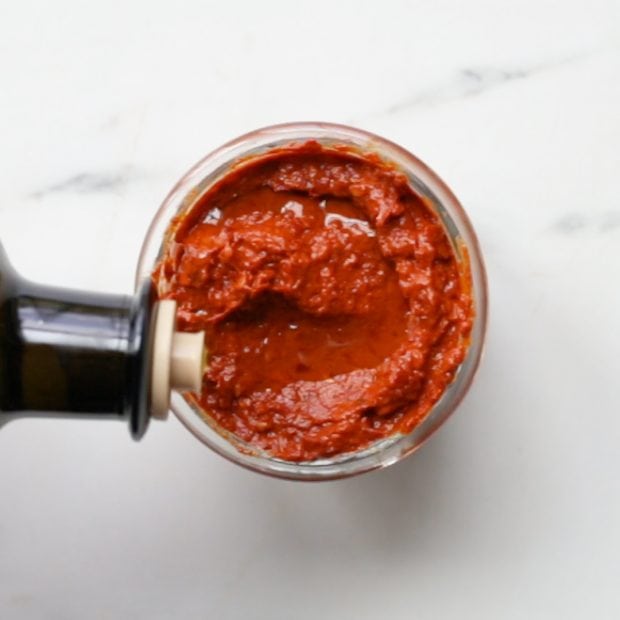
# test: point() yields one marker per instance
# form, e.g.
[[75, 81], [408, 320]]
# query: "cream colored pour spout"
[[178, 359]]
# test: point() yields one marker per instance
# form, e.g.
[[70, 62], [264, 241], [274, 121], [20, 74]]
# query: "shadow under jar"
[[358, 241]]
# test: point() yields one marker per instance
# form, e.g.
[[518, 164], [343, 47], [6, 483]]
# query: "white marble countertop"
[[513, 509]]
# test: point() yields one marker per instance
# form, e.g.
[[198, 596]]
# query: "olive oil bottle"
[[73, 353]]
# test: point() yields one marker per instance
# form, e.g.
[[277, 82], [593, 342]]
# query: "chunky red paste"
[[336, 311]]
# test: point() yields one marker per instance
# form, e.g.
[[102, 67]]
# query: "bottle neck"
[[67, 353]]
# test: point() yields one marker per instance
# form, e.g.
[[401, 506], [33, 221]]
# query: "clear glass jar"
[[425, 182]]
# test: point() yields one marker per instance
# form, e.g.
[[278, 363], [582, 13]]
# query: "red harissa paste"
[[336, 311]]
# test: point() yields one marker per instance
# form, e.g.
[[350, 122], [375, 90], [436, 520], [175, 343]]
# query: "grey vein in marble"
[[90, 183], [472, 81], [569, 223], [573, 223]]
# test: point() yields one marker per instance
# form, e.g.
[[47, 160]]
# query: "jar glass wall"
[[427, 184]]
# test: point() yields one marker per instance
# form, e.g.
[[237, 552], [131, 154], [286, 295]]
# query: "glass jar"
[[458, 227]]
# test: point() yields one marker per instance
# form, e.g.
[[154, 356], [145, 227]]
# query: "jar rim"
[[216, 164]]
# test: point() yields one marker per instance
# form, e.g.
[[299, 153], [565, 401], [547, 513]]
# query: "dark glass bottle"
[[72, 353]]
